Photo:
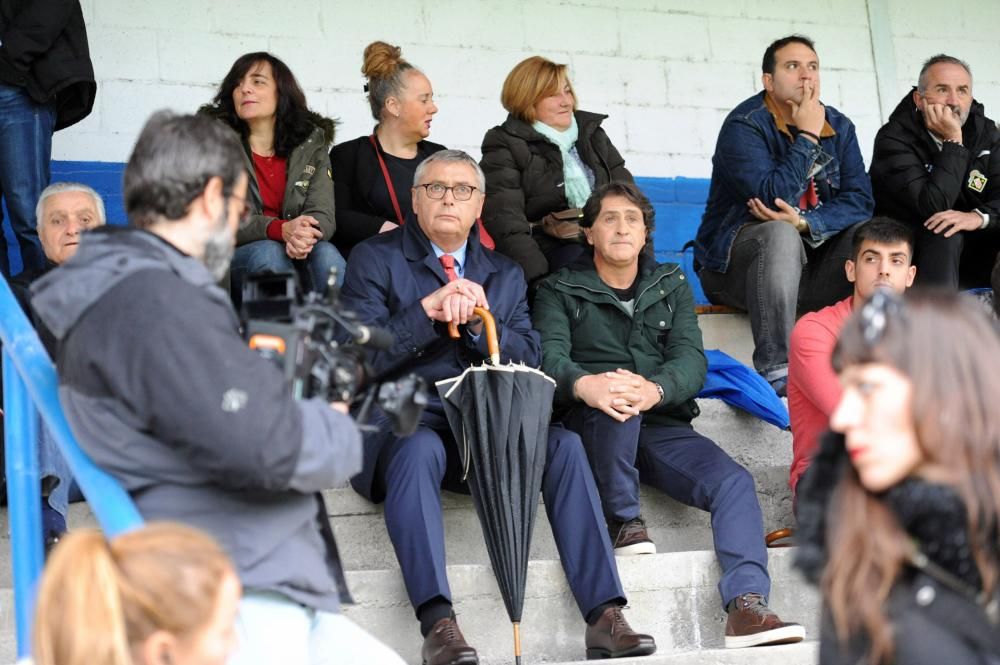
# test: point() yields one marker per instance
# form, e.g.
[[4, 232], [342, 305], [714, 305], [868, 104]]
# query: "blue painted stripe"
[[678, 202]]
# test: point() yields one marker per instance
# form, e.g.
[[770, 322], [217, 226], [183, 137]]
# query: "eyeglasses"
[[436, 191]]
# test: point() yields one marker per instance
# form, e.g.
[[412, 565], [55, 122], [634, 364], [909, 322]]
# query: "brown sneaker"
[[631, 537], [612, 637], [752, 624]]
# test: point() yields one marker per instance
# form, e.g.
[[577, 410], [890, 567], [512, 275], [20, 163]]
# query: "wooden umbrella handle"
[[771, 539], [491, 333]]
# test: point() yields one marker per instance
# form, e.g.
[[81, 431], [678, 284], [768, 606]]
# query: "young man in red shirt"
[[883, 258]]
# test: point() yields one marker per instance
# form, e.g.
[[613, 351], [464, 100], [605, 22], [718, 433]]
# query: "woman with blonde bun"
[[165, 594], [373, 173]]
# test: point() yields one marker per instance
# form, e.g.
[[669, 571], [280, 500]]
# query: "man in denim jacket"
[[788, 188]]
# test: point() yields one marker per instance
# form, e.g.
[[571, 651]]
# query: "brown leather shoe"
[[631, 537], [612, 637], [752, 623], [445, 645]]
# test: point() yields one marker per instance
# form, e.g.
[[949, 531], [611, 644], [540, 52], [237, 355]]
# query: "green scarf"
[[577, 187]]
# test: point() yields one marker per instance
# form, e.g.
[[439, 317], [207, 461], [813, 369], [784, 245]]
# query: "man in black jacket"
[[46, 84], [936, 166], [196, 426]]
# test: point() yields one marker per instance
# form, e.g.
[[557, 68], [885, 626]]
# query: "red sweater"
[[813, 386], [271, 179]]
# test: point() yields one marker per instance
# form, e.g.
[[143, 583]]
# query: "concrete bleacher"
[[672, 594]]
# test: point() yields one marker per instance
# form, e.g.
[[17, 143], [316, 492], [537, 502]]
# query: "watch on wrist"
[[659, 390], [801, 225]]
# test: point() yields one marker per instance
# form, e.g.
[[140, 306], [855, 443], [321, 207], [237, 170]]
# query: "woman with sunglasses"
[[899, 511], [290, 215]]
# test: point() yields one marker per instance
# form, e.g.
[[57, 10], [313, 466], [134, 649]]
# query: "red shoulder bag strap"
[[388, 180]]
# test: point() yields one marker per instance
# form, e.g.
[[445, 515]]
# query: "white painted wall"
[[666, 71]]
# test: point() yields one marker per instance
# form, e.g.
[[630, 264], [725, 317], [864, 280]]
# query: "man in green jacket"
[[621, 339]]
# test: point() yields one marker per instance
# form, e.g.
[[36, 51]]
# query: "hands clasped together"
[[454, 302], [621, 394], [300, 235]]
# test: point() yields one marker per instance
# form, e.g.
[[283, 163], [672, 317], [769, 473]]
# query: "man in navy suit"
[[413, 281]]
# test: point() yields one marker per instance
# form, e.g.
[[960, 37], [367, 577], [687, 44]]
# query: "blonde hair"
[[532, 80], [384, 68], [99, 599]]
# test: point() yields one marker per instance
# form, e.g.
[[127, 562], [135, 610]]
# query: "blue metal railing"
[[31, 387]]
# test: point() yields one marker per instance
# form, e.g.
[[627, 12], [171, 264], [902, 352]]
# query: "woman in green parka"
[[290, 218]]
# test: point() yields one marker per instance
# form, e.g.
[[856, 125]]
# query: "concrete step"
[[671, 596], [364, 542], [729, 333], [803, 653]]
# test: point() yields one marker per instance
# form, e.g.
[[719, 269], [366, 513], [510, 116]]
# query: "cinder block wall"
[[666, 71]]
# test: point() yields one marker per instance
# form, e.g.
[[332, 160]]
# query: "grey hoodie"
[[162, 392]]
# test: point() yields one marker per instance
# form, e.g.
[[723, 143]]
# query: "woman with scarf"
[[899, 511], [541, 164]]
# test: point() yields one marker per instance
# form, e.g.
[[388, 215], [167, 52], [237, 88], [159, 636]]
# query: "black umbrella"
[[499, 415]]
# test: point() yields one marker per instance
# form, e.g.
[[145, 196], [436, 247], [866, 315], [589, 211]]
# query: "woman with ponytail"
[[165, 594], [899, 511], [373, 174]]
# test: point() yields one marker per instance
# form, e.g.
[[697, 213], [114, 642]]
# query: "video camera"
[[300, 333]]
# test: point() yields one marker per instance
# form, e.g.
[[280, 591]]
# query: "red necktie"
[[448, 263]]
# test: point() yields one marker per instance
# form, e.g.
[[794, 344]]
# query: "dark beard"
[[219, 248]]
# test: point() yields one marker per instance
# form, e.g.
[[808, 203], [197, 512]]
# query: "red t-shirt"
[[271, 178], [813, 386]]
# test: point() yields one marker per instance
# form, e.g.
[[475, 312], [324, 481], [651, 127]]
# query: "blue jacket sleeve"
[[519, 341], [746, 162], [367, 291]]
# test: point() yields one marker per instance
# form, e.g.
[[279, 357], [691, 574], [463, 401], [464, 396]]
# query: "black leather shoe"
[[612, 637], [445, 645]]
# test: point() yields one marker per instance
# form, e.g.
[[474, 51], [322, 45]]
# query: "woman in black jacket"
[[899, 511], [546, 158], [402, 101]]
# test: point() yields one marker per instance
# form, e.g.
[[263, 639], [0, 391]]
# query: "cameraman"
[[162, 392]]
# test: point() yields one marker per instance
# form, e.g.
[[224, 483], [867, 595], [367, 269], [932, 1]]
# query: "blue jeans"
[[274, 629], [690, 469], [25, 152], [773, 275], [52, 464], [269, 256]]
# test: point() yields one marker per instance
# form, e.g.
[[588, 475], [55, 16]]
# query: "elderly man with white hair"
[[65, 210]]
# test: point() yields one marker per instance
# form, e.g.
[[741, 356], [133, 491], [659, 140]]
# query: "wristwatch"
[[659, 389], [801, 225]]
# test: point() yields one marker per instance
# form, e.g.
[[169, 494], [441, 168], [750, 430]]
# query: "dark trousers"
[[965, 259], [691, 469], [415, 468], [773, 274]]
